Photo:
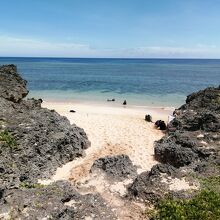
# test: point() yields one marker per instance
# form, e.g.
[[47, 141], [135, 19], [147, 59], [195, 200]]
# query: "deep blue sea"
[[151, 82]]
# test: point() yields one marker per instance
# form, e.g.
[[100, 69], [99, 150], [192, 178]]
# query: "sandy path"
[[112, 131]]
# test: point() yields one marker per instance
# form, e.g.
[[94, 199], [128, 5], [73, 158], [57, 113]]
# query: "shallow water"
[[151, 82]]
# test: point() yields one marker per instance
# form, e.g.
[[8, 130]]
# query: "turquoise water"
[[151, 82]]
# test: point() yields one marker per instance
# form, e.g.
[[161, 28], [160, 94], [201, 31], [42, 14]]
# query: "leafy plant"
[[28, 185], [204, 206], [7, 140], [211, 183]]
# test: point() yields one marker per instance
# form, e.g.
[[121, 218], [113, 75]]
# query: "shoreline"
[[108, 108], [112, 130], [100, 98], [109, 104]]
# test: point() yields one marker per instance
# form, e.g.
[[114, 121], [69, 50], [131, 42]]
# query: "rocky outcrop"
[[201, 112], [149, 186], [190, 148], [34, 141], [194, 134], [42, 141], [117, 167], [177, 149], [56, 201], [12, 86]]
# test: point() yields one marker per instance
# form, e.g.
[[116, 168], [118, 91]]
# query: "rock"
[[190, 147], [72, 111], [56, 201], [12, 86], [208, 99], [110, 100], [117, 167], [124, 103], [148, 118], [194, 121], [149, 186], [32, 103], [34, 141], [161, 125], [201, 114], [168, 152], [163, 168], [44, 141]]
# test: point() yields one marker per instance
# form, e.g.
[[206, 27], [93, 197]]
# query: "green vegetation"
[[30, 185], [7, 140], [211, 183], [205, 205], [217, 100]]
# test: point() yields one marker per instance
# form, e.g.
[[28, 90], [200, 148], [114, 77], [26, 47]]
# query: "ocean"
[[142, 82]]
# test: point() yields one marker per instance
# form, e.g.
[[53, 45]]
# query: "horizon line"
[[131, 58]]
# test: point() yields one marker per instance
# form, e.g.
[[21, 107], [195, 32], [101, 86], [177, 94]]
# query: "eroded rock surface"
[[188, 152], [12, 86], [148, 186], [194, 134], [43, 141], [56, 201], [34, 142], [117, 167]]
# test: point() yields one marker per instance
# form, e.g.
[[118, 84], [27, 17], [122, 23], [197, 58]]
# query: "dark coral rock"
[[148, 118], [34, 141], [55, 201], [148, 185], [45, 140], [200, 115], [174, 154], [12, 86], [208, 99], [118, 167], [163, 168], [39, 140], [178, 149]]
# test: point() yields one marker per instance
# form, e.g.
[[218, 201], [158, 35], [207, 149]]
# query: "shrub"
[[7, 139], [204, 206], [28, 185], [211, 183]]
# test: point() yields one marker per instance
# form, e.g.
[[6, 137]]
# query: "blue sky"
[[110, 28]]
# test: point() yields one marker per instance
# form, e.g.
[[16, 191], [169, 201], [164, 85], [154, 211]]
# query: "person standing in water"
[[125, 102]]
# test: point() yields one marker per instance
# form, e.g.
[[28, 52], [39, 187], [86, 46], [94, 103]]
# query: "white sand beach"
[[112, 130]]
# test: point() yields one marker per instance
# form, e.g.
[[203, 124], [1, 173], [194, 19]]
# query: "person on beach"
[[125, 102], [170, 118]]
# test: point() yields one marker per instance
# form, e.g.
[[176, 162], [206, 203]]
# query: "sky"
[[110, 28]]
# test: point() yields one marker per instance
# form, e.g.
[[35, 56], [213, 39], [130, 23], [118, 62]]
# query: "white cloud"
[[179, 52], [10, 46]]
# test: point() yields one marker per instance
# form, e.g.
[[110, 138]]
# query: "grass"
[[205, 205], [27, 185], [211, 183], [216, 100], [7, 140]]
